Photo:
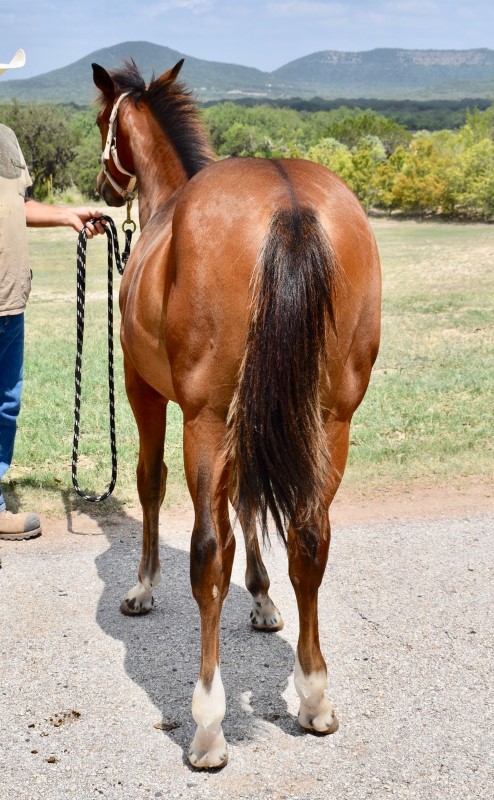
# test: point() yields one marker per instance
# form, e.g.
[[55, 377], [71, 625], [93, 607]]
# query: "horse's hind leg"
[[264, 615], [150, 414], [307, 555], [211, 559], [308, 550]]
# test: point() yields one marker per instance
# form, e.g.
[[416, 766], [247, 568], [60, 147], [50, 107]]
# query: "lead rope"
[[113, 250]]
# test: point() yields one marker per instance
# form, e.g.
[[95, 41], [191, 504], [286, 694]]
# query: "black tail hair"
[[276, 447]]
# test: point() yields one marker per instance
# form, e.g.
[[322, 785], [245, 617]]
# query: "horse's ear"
[[103, 81], [172, 74]]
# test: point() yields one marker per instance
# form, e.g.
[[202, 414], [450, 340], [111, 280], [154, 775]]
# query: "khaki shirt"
[[15, 275]]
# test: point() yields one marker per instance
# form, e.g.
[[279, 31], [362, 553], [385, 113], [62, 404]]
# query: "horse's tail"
[[276, 446]]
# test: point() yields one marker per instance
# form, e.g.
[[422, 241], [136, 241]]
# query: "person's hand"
[[78, 217], [44, 215]]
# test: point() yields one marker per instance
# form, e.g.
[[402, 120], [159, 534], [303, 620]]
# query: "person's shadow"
[[162, 649]]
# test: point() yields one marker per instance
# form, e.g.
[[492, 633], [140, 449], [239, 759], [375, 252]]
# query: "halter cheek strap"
[[110, 151]]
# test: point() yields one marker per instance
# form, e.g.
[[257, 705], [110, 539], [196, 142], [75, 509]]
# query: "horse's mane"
[[173, 107]]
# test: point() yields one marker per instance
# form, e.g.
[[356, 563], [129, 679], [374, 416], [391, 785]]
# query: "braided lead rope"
[[113, 251]]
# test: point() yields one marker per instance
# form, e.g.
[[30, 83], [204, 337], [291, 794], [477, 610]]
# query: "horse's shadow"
[[162, 649]]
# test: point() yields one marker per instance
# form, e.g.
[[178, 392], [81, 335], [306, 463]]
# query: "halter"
[[111, 151]]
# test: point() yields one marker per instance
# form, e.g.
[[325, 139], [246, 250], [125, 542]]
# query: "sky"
[[266, 35]]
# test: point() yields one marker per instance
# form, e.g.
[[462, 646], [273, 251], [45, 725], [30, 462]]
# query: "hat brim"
[[18, 60]]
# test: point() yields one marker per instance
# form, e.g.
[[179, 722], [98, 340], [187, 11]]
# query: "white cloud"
[[163, 7], [354, 10], [299, 8], [411, 7]]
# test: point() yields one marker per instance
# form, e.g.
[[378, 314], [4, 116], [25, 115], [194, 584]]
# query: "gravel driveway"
[[407, 620]]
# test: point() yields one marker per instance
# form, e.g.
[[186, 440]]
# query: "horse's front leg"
[[150, 414], [211, 559]]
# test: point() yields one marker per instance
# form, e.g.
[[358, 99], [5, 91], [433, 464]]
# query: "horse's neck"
[[160, 173]]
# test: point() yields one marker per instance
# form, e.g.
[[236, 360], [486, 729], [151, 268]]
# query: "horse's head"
[[116, 181]]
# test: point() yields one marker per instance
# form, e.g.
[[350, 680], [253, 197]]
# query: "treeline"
[[448, 172], [424, 173], [415, 115]]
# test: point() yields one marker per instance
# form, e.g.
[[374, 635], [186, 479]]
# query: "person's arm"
[[42, 215]]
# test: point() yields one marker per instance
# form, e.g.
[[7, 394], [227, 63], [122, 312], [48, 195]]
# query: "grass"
[[427, 413]]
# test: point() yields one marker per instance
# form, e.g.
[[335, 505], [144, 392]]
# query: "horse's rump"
[[276, 447]]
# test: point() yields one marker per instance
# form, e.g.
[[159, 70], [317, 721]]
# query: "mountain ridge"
[[381, 73]]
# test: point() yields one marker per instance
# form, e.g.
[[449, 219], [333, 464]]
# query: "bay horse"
[[251, 299]]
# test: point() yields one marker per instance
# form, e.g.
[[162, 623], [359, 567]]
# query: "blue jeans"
[[11, 370]]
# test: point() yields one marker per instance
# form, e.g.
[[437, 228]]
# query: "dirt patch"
[[419, 501]]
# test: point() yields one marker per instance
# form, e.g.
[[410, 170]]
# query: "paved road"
[[406, 625]]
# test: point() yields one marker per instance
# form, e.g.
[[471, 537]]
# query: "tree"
[[333, 155], [415, 179], [350, 126], [241, 140], [87, 163], [367, 156], [473, 176], [46, 141]]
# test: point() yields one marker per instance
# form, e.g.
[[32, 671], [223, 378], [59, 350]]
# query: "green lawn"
[[427, 413]]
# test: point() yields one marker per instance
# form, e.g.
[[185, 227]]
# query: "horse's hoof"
[[212, 760], [265, 616], [324, 723], [135, 605], [216, 756], [209, 760]]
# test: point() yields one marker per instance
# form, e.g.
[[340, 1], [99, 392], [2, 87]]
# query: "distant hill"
[[74, 83], [391, 74], [381, 74]]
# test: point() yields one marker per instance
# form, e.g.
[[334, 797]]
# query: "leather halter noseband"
[[111, 151]]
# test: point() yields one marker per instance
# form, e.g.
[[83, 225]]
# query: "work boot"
[[19, 526]]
